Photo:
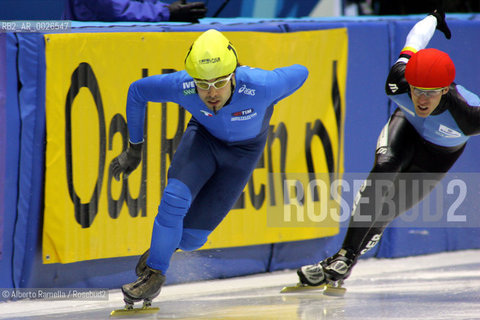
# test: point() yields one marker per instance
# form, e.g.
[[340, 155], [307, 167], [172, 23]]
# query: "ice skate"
[[142, 263], [328, 274], [146, 288]]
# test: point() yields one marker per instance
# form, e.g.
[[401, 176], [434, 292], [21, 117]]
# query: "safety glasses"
[[427, 93], [218, 84]]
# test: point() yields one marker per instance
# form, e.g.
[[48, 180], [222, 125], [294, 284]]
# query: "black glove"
[[127, 161], [189, 12], [441, 23]]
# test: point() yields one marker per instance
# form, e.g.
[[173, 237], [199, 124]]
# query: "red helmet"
[[430, 68]]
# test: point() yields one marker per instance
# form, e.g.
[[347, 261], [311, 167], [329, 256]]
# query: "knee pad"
[[175, 203], [193, 239]]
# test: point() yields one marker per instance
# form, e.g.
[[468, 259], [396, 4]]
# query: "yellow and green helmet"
[[211, 56]]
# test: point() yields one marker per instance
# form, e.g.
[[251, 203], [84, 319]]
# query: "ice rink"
[[439, 286]]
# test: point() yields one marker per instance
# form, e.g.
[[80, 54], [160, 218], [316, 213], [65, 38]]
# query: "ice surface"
[[439, 286]]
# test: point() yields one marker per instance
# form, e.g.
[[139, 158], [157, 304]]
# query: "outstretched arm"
[[417, 39], [157, 88], [421, 33], [465, 109], [285, 81]]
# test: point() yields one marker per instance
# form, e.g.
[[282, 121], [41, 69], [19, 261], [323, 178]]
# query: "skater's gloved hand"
[[441, 23], [127, 161], [189, 12]]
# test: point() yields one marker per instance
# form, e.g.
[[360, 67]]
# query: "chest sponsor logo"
[[249, 92], [243, 115], [448, 132], [206, 113], [188, 88]]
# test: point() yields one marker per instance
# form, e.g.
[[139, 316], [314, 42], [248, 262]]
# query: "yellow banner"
[[90, 215]]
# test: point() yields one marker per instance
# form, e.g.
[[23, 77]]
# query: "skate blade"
[[134, 311], [301, 287]]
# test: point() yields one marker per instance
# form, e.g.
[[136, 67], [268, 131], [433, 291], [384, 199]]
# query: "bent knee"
[[193, 239], [176, 201]]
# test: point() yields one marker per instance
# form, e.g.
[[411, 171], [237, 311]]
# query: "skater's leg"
[[394, 153], [404, 197], [193, 239], [192, 166], [410, 187], [220, 193], [217, 196], [381, 206], [167, 227], [210, 205]]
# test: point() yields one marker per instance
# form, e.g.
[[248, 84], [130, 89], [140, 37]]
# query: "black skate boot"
[[146, 288], [331, 271], [142, 263]]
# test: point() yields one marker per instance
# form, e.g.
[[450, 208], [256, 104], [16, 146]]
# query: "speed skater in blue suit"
[[231, 107]]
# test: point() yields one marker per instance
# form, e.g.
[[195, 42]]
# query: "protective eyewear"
[[218, 84], [427, 93]]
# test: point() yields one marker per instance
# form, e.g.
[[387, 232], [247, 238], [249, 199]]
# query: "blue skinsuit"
[[216, 155], [440, 129], [452, 122]]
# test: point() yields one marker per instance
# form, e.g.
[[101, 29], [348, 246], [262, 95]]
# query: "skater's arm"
[[157, 88], [465, 109], [421, 33], [285, 81], [417, 39]]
